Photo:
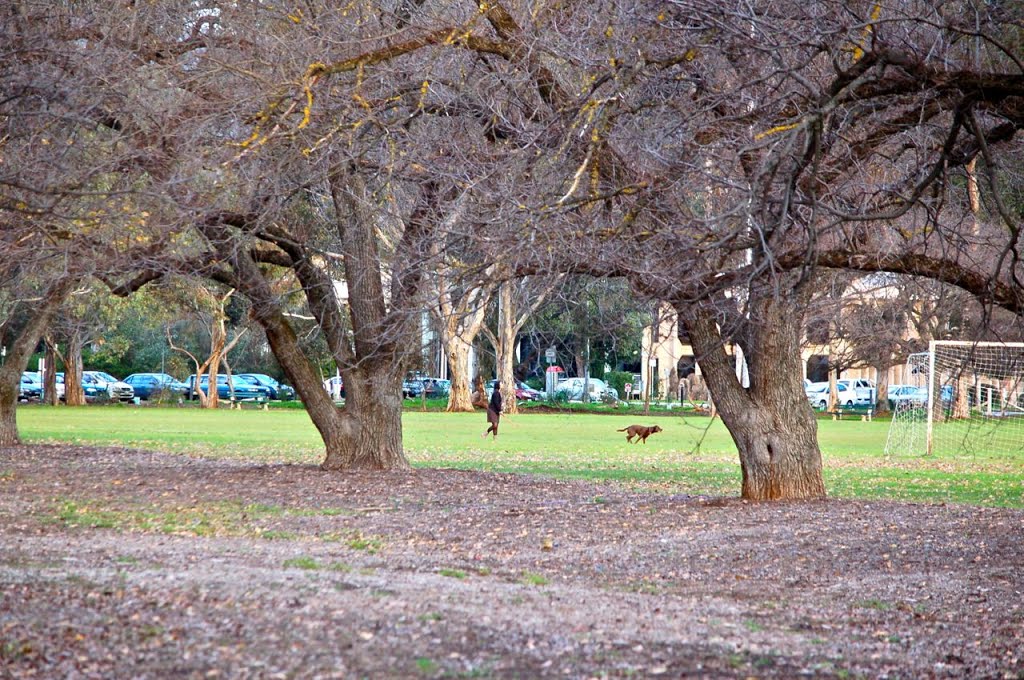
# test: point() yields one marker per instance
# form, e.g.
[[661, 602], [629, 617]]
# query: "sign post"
[[549, 355], [629, 389], [551, 379]]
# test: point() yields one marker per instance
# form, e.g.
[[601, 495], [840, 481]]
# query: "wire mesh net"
[[960, 398]]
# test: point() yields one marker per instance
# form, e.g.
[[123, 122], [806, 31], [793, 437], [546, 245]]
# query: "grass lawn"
[[692, 456]]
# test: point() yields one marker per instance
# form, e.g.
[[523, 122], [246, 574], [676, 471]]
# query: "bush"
[[618, 380]]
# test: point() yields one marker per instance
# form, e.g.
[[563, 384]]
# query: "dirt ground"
[[117, 563]]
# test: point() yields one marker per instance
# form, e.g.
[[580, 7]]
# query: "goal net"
[[960, 398]]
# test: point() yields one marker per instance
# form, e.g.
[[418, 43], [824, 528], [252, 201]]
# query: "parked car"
[[863, 389], [436, 388], [523, 391], [156, 386], [60, 386], [572, 389], [907, 396], [99, 385], [277, 390], [412, 388], [817, 394], [30, 387], [243, 391], [335, 387]]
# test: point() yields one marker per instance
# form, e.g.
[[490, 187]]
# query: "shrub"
[[618, 380]]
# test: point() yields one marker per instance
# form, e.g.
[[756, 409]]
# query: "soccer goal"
[[960, 398]]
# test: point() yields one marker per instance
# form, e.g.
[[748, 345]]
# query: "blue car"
[[277, 390], [243, 390], [156, 385], [31, 387]]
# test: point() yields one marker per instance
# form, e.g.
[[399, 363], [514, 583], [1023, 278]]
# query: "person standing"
[[494, 411]]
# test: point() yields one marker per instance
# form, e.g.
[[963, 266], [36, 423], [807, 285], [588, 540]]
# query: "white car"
[[97, 383], [908, 396], [596, 388], [817, 394], [863, 389], [37, 378], [335, 387]]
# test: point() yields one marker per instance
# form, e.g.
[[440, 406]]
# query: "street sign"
[[549, 355], [629, 389]]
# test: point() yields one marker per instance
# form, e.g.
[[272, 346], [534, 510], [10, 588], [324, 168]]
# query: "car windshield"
[[104, 376]]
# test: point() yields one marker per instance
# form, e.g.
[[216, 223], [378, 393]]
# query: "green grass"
[[692, 456]]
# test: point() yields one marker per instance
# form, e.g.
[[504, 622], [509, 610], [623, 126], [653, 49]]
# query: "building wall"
[[667, 350]]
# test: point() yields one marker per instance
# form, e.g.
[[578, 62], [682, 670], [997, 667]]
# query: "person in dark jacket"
[[494, 411]]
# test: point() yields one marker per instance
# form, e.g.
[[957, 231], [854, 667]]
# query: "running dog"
[[640, 432]]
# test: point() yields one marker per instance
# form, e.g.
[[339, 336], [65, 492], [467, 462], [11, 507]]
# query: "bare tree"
[[518, 300], [459, 313]]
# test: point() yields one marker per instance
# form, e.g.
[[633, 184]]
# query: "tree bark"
[[218, 338], [515, 306], [771, 423], [882, 390], [50, 375], [459, 397], [505, 347], [368, 433], [74, 395], [21, 350]]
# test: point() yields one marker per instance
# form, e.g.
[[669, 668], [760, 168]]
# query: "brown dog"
[[640, 432]]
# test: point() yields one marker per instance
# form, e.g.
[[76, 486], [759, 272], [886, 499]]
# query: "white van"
[[863, 389], [598, 390]]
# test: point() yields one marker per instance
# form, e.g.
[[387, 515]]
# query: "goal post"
[[960, 398]]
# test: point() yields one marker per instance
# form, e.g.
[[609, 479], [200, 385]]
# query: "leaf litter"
[[124, 563]]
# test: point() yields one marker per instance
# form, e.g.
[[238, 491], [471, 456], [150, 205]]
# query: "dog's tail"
[[622, 430]]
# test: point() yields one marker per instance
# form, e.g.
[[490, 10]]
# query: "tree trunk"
[[833, 388], [218, 337], [368, 434], [73, 393], [9, 389], [882, 390], [505, 349], [771, 423], [961, 409], [21, 350], [372, 436], [50, 375], [459, 398]]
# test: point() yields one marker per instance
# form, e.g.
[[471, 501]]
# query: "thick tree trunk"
[[961, 408], [372, 433], [460, 398], [833, 387], [771, 423], [18, 355], [505, 349], [368, 434], [8, 405], [218, 337], [50, 375], [74, 395], [882, 390]]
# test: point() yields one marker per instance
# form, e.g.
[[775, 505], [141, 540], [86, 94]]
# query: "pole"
[[931, 398], [586, 371]]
